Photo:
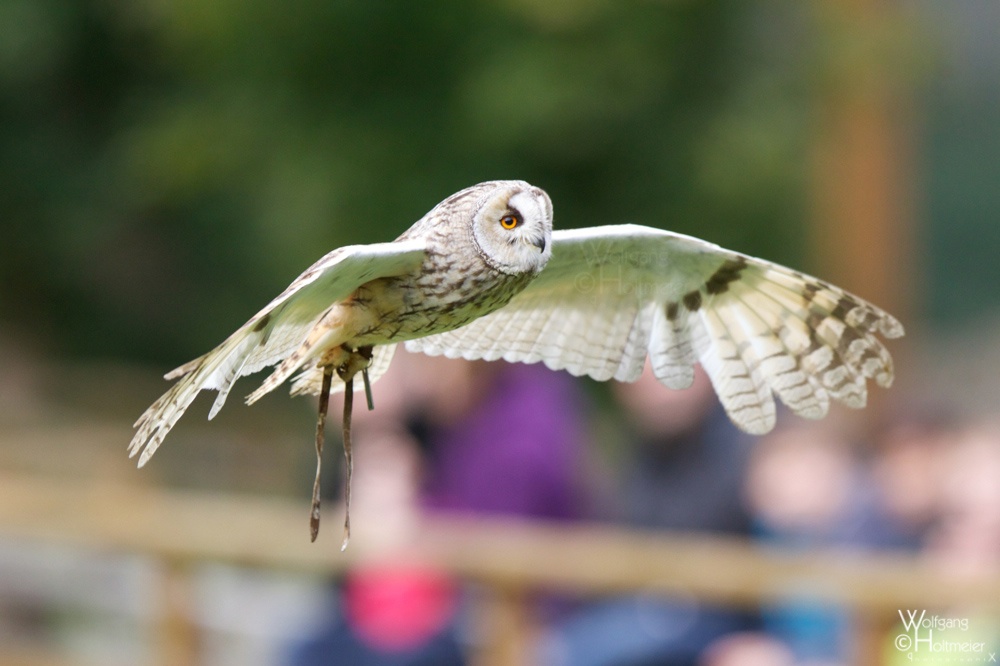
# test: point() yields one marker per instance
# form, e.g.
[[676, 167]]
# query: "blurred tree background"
[[172, 165], [169, 166]]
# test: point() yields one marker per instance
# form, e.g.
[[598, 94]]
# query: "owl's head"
[[512, 226]]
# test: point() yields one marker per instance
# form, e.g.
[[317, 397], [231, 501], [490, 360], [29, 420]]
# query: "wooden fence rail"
[[510, 558]]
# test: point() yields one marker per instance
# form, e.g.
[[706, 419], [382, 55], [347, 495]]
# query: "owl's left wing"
[[274, 333], [613, 295]]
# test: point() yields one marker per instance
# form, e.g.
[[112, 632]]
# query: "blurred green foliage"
[[170, 165]]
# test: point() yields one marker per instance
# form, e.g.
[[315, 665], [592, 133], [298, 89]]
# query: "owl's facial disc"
[[513, 227]]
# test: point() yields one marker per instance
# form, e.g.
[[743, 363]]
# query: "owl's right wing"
[[274, 332], [612, 296]]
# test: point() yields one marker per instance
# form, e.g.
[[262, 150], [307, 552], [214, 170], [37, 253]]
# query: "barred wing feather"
[[612, 296]]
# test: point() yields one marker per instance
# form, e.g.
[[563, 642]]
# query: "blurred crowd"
[[494, 438]]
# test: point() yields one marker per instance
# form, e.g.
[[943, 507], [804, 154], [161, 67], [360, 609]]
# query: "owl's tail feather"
[[218, 369], [322, 338]]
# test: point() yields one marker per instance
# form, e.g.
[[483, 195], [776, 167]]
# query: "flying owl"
[[484, 276]]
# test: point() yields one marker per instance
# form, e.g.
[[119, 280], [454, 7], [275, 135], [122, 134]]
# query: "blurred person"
[[443, 441], [910, 450], [748, 649], [799, 485], [964, 543], [683, 470], [386, 613], [802, 490], [485, 453], [685, 461]]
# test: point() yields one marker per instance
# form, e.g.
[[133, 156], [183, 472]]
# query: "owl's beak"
[[539, 243]]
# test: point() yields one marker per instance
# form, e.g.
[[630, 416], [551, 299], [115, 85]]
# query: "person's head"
[[655, 410], [800, 478]]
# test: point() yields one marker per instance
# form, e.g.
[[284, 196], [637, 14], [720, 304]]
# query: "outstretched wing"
[[613, 295], [273, 333]]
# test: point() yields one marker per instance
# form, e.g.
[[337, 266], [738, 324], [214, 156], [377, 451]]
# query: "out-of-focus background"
[[168, 167]]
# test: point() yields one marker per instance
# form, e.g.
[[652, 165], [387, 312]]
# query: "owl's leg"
[[324, 403], [368, 388], [357, 360], [348, 459]]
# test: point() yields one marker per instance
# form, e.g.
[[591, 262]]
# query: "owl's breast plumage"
[[447, 292]]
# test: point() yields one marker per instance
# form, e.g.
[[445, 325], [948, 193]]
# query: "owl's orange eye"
[[510, 221]]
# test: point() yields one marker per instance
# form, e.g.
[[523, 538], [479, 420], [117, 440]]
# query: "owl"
[[484, 276]]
